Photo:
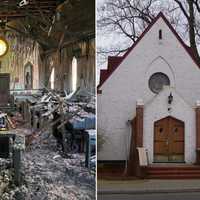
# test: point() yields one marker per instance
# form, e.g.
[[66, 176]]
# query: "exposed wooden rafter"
[[44, 20], [10, 9]]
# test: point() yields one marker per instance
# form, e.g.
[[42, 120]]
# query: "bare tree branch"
[[196, 3], [129, 18], [182, 8]]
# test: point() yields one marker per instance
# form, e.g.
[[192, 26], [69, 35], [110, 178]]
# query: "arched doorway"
[[28, 76], [169, 140]]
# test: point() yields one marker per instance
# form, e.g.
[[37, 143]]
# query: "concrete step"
[[173, 172], [174, 176], [182, 167]]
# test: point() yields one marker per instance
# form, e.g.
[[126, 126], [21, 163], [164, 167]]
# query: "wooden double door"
[[169, 140]]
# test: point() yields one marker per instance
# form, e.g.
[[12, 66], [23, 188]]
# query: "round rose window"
[[157, 81]]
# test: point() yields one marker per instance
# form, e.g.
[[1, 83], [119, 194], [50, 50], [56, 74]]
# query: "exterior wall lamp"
[[170, 98]]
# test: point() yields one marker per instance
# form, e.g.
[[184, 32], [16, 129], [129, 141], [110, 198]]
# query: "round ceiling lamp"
[[3, 47]]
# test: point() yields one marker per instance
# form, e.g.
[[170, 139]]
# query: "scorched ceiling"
[[52, 23]]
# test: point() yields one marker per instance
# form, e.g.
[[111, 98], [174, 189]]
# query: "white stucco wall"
[[129, 82], [157, 109]]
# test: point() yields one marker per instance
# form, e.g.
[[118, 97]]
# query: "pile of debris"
[[6, 122], [5, 180], [57, 148], [70, 116], [77, 104], [49, 175], [10, 120]]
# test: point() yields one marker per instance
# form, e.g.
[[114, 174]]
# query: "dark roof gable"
[[113, 62]]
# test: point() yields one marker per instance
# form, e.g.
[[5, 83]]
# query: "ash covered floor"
[[47, 174]]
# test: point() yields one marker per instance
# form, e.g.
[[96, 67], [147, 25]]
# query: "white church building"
[[150, 98]]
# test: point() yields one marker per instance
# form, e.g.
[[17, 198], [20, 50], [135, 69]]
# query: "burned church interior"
[[47, 99]]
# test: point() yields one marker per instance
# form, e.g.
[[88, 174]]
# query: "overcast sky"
[[112, 39], [107, 40]]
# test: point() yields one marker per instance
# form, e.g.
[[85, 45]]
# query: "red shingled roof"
[[114, 61]]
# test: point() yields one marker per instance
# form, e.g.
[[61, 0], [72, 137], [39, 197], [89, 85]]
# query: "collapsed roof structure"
[[47, 99]]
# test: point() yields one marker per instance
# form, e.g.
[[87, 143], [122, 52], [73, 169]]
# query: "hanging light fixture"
[[3, 47]]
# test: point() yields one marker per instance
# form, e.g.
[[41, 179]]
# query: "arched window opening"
[[52, 79], [160, 34], [74, 74], [28, 76]]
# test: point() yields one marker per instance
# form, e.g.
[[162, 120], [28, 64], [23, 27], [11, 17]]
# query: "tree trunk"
[[191, 22]]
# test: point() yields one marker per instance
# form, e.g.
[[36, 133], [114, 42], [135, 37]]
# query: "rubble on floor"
[[54, 130], [48, 174]]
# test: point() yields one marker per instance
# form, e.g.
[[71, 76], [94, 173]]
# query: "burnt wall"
[[22, 51], [84, 52]]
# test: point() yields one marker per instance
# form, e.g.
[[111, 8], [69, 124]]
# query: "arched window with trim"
[[74, 74], [28, 76]]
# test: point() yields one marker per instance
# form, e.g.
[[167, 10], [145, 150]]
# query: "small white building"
[[156, 86]]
